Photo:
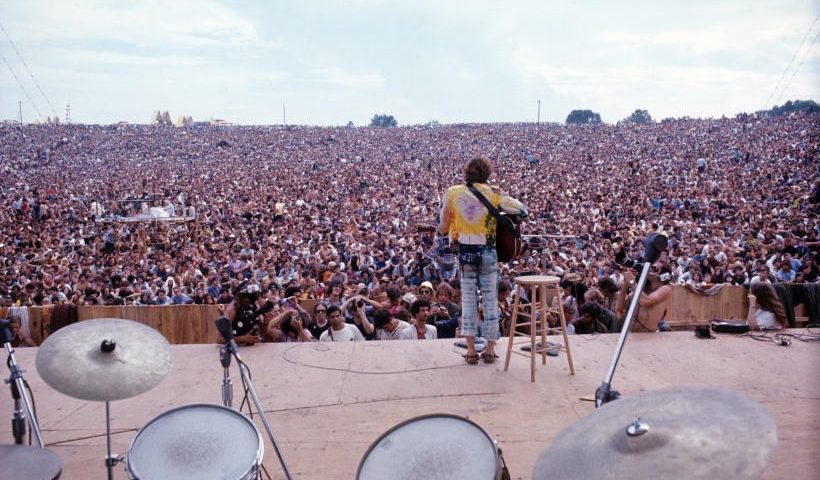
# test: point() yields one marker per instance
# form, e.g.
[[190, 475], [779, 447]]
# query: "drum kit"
[[690, 432], [113, 359]]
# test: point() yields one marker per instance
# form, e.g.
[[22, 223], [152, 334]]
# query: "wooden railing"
[[183, 324]]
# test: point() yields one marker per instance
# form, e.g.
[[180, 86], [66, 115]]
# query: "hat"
[[331, 264], [409, 298], [426, 285], [385, 278]]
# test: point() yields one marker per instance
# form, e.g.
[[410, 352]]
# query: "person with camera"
[[289, 329], [355, 312], [243, 312], [472, 228]]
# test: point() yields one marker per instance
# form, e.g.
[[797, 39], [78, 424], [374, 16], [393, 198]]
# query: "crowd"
[[341, 212]]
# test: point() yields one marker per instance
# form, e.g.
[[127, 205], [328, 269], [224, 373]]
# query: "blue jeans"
[[483, 276]]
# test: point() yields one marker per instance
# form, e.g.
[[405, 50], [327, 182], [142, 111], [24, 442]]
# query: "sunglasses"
[[424, 290]]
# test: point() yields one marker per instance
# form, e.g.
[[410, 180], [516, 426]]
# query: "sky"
[[326, 62]]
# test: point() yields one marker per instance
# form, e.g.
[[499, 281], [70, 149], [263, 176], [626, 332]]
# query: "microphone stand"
[[605, 394], [243, 370], [20, 395], [227, 385]]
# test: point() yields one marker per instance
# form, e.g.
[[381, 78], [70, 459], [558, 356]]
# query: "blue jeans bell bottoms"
[[482, 275]]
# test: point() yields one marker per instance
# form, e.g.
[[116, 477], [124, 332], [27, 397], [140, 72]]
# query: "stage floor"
[[328, 403]]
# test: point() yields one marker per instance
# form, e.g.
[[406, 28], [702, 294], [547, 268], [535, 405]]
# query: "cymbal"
[[23, 462], [72, 360], [693, 432]]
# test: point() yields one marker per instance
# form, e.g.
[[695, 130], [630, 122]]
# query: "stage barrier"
[[185, 324]]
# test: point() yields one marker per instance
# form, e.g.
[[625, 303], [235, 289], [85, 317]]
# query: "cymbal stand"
[[22, 402], [604, 393], [243, 370], [110, 459]]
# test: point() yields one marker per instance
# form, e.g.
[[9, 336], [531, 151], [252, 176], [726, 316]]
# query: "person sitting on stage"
[[421, 312], [651, 304], [766, 312], [391, 328], [243, 312], [340, 331]]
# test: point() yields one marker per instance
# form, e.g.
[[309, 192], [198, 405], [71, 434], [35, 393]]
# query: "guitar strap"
[[493, 211]]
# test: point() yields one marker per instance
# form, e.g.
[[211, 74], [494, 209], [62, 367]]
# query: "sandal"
[[488, 357], [471, 358]]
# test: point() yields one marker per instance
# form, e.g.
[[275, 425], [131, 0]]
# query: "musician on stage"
[[473, 229]]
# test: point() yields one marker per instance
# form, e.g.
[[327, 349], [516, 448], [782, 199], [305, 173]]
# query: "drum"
[[22, 462], [199, 442], [436, 446]]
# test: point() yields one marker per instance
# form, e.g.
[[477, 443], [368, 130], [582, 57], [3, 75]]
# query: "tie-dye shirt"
[[467, 220]]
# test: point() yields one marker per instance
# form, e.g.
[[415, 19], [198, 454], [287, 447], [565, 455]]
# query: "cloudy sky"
[[330, 62]]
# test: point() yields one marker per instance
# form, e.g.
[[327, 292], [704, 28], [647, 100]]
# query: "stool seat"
[[536, 279], [534, 315]]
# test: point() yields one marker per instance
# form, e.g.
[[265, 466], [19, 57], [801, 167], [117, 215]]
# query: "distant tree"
[[806, 106], [350, 124], [583, 116], [384, 121], [639, 116]]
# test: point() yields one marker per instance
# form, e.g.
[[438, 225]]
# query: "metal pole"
[[604, 392], [109, 459], [20, 107], [538, 121], [17, 380], [284, 118], [261, 411]]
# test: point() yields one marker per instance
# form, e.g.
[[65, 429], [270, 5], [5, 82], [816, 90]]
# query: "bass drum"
[[436, 446], [196, 442]]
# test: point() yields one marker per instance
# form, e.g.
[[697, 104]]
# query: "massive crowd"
[[304, 206]]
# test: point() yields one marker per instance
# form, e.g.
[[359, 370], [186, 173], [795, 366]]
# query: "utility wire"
[[805, 56], [40, 115], [791, 62], [28, 70]]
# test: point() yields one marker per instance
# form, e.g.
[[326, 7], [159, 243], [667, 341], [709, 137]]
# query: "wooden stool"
[[538, 286]]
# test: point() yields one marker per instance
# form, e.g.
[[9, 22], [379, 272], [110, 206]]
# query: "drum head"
[[432, 446], [200, 442], [22, 462]]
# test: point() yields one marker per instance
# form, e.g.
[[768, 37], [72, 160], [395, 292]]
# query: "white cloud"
[[344, 78], [148, 23]]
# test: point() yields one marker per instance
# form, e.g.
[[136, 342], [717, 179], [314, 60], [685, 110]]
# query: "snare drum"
[[199, 442], [436, 446]]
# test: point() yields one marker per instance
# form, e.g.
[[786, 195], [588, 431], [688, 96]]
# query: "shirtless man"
[[651, 304]]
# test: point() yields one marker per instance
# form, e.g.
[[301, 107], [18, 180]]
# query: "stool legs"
[[538, 310], [511, 333]]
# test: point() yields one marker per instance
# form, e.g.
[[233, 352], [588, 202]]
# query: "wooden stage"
[[328, 403]]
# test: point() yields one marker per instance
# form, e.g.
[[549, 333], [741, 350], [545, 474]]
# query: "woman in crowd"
[[765, 310]]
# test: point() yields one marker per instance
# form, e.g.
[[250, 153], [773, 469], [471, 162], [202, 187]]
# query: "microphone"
[[653, 245], [224, 327], [5, 331]]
